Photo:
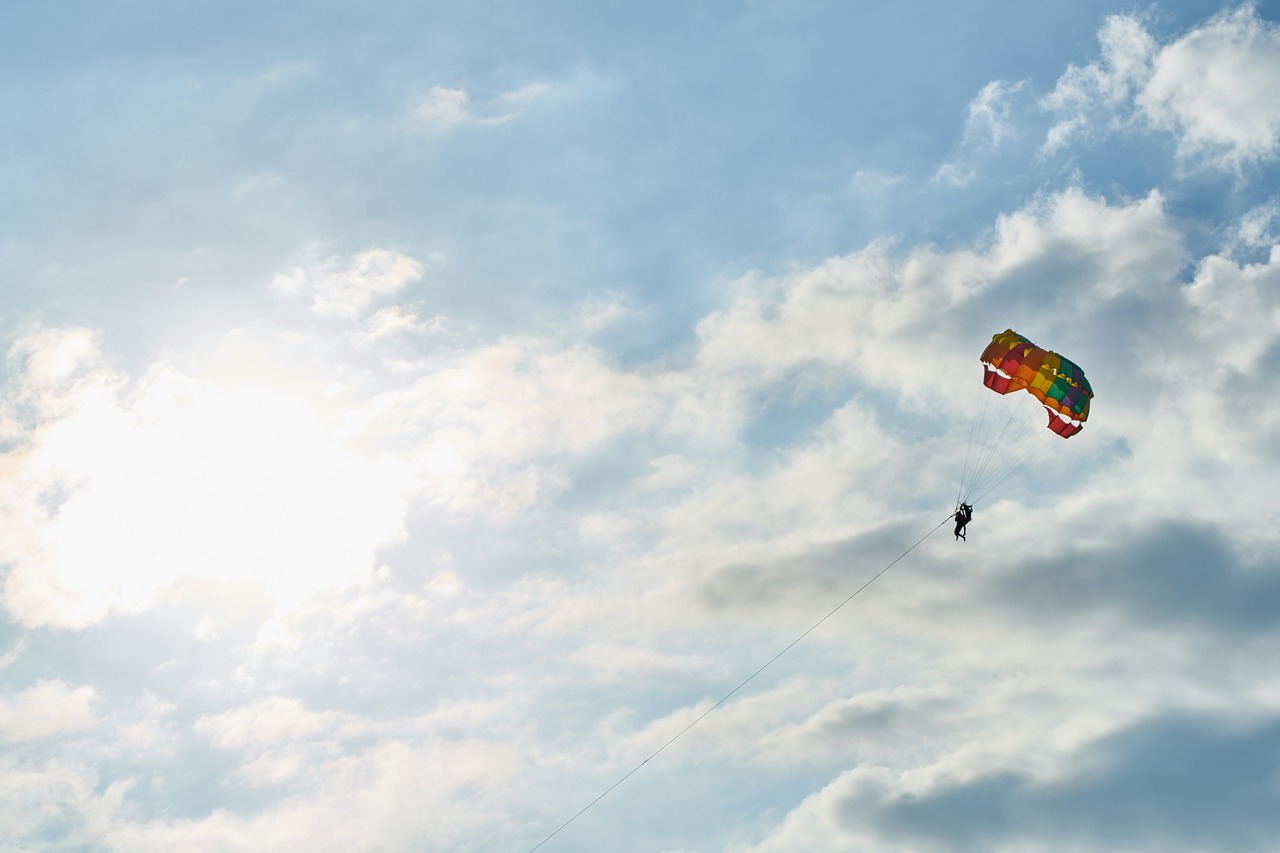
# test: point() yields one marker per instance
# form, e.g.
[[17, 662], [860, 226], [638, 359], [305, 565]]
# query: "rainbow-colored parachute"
[[1013, 363]]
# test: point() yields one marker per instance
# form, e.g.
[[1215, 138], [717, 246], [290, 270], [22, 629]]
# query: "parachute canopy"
[[1013, 363]]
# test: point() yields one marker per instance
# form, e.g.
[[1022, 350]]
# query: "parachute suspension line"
[[975, 429], [989, 443], [743, 684], [973, 452], [997, 444], [991, 440], [998, 475], [1010, 461], [1030, 444], [1014, 455], [1031, 459], [968, 451]]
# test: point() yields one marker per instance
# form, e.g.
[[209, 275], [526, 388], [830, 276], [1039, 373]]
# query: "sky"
[[413, 415]]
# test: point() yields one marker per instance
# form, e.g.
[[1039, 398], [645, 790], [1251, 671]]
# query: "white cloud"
[[817, 491], [8, 658], [1112, 249], [147, 729], [600, 313], [1216, 87], [444, 584], [444, 107], [490, 422], [1213, 88], [47, 796], [394, 320], [207, 630], [1236, 328], [990, 125], [397, 794], [875, 181], [335, 288], [1081, 92], [1259, 227], [525, 94], [955, 175], [610, 662], [988, 121], [1240, 304], [265, 723], [875, 314], [46, 710]]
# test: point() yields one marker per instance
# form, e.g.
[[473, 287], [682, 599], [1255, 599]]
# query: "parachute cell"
[[1013, 363]]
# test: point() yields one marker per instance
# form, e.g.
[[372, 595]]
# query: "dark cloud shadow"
[[1170, 783], [1173, 574], [809, 577]]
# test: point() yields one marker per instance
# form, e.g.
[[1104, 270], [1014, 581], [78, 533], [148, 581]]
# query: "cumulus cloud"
[[336, 288], [1188, 578], [494, 421], [1212, 88], [266, 722], [399, 794], [1108, 279], [1083, 94], [1258, 228], [278, 737], [47, 709], [784, 533], [395, 320], [1241, 302], [1216, 88], [874, 312], [595, 315], [50, 799], [147, 729], [1009, 714], [1164, 783]]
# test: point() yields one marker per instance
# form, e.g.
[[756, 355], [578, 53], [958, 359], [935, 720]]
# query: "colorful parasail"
[[1013, 363]]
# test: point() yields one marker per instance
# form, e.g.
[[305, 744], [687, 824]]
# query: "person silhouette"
[[963, 516]]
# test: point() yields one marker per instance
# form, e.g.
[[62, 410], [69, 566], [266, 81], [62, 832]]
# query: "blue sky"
[[413, 415]]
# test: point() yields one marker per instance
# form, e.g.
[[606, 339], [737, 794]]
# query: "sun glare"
[[187, 479]]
